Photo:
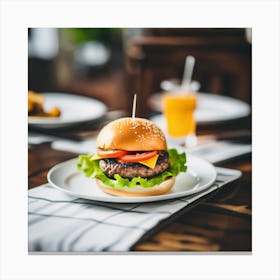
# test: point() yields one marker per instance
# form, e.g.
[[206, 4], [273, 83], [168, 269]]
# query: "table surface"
[[221, 221]]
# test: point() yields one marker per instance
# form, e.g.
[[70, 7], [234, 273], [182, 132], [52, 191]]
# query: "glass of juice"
[[178, 109]]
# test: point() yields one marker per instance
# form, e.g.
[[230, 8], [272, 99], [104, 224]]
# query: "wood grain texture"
[[40, 159]]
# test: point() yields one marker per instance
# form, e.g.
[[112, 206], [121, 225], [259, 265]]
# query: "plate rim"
[[146, 199], [43, 122]]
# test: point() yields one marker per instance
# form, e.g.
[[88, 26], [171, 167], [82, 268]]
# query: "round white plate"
[[65, 177], [210, 108], [74, 109]]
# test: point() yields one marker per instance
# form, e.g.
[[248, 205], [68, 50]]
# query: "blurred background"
[[112, 64]]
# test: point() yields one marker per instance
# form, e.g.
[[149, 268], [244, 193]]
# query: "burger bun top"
[[131, 134]]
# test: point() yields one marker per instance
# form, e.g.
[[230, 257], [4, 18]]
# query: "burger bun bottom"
[[138, 191]]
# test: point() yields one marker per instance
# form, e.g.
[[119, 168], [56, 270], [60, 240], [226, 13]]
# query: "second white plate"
[[75, 109], [65, 177]]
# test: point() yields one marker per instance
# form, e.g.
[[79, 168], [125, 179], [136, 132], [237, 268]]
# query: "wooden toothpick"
[[134, 106]]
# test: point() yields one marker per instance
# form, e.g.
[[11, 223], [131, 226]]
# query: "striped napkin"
[[62, 223]]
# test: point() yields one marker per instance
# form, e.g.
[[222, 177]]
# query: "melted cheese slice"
[[151, 162], [95, 157]]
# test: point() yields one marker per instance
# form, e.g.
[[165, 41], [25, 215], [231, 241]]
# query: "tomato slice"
[[111, 153], [137, 156]]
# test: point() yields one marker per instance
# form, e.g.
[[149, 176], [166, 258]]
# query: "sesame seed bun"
[[131, 134], [138, 190]]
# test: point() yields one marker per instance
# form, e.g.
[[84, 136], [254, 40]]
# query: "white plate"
[[75, 109], [210, 108], [65, 177]]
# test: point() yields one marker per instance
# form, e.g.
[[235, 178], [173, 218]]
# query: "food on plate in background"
[[36, 106], [132, 159]]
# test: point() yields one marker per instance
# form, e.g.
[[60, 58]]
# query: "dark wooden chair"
[[223, 61]]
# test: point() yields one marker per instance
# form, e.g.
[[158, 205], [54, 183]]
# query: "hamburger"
[[132, 159]]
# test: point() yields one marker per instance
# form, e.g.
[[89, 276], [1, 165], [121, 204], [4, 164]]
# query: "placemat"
[[62, 223]]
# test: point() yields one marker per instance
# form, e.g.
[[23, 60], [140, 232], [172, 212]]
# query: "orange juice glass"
[[178, 109]]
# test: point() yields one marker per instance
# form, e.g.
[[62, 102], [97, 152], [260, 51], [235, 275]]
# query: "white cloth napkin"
[[219, 151], [83, 147], [62, 223], [37, 138]]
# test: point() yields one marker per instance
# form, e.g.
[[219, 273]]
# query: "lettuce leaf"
[[91, 169]]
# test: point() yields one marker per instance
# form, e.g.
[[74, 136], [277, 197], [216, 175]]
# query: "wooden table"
[[221, 221]]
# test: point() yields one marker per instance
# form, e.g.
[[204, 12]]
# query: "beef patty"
[[130, 170]]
